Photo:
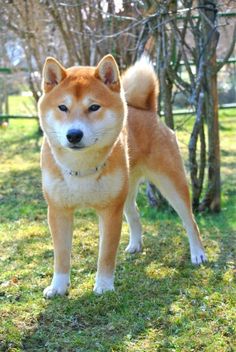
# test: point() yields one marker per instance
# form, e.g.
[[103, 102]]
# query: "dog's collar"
[[88, 172]]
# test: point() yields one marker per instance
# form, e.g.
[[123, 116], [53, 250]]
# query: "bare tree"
[[175, 33], [195, 22]]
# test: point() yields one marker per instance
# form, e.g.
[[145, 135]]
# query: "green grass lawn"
[[21, 105], [161, 303]]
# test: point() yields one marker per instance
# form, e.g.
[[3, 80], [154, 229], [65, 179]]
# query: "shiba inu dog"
[[101, 137]]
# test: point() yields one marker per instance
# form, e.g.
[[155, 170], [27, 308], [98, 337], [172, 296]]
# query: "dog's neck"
[[81, 163], [85, 173]]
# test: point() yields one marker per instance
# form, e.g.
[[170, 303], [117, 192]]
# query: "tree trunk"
[[212, 198], [197, 172], [167, 87]]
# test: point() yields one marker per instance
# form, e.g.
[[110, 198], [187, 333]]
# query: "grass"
[[21, 105], [161, 303]]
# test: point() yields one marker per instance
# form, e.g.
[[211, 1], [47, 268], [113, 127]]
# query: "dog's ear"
[[107, 71], [53, 74]]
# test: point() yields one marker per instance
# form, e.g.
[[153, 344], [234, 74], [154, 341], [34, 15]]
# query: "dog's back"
[[148, 137]]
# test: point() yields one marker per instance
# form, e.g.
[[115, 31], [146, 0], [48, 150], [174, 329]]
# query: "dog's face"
[[82, 107]]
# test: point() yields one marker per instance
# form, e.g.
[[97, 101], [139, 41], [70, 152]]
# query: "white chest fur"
[[88, 191]]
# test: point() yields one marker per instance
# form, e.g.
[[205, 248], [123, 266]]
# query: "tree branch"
[[229, 52]]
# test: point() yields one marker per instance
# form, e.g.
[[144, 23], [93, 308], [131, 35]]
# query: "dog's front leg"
[[60, 222], [110, 222]]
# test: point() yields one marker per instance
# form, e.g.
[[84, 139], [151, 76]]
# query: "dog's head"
[[82, 107]]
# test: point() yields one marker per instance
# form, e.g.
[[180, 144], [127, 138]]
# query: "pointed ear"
[[53, 74], [108, 72]]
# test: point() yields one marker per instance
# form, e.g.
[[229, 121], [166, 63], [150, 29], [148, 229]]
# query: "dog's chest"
[[89, 191]]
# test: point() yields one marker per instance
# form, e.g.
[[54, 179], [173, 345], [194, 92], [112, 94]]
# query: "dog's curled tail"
[[141, 85]]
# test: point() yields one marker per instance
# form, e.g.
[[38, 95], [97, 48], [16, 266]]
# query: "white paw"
[[59, 286], [134, 247], [51, 291], [103, 284], [99, 290], [198, 256]]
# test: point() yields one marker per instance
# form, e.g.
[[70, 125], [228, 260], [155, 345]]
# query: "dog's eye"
[[63, 108], [94, 107]]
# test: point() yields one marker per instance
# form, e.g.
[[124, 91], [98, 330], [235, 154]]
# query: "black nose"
[[74, 136]]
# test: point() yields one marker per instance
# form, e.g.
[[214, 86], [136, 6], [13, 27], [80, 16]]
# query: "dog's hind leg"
[[174, 187], [133, 219]]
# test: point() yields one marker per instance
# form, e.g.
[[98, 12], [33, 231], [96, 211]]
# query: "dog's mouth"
[[77, 147], [81, 146]]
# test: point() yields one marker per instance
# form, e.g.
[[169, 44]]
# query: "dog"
[[102, 136]]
